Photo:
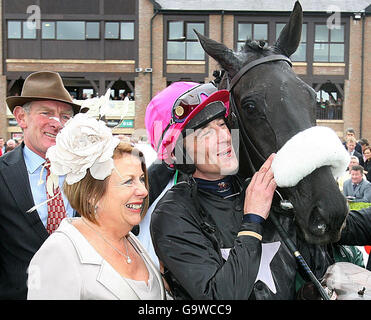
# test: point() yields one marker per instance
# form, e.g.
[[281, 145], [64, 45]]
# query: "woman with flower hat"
[[96, 256]]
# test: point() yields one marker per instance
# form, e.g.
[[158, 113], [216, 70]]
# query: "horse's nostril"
[[322, 227], [317, 224]]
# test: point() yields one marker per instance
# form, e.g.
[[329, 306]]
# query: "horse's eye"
[[249, 107]]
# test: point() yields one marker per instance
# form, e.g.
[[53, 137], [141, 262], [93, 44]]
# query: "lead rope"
[[291, 246]]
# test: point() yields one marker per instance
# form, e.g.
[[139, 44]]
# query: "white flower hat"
[[84, 143]]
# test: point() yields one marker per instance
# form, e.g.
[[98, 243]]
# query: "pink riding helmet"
[[169, 112]]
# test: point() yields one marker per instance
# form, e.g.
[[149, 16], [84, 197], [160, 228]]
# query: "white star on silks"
[[269, 250]]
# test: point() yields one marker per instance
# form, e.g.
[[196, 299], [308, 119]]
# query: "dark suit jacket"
[[360, 157], [21, 233]]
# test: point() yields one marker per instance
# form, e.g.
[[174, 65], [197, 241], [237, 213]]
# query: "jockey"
[[207, 229]]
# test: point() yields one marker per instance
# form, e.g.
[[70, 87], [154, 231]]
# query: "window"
[[111, 30], [328, 44], [48, 30], [14, 30], [29, 31], [252, 31], [70, 30], [301, 52], [92, 30], [119, 30], [127, 31], [21, 30], [182, 41]]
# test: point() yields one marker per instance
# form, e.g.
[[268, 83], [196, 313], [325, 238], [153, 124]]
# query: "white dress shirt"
[[34, 164]]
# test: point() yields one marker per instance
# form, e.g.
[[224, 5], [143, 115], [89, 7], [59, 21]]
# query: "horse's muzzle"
[[320, 208]]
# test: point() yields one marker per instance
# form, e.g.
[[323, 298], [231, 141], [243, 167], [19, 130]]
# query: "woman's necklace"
[[128, 259]]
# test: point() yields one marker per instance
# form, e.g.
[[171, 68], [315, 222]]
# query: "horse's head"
[[272, 105]]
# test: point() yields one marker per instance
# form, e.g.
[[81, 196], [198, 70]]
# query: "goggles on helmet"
[[189, 100]]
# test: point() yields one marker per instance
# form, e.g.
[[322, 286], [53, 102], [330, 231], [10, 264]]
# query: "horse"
[[272, 105]]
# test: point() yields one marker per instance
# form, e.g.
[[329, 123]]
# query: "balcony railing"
[[325, 111]]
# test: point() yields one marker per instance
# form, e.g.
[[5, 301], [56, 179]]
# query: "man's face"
[[2, 142], [42, 123], [11, 143], [353, 162], [211, 149], [351, 146], [350, 134], [356, 176]]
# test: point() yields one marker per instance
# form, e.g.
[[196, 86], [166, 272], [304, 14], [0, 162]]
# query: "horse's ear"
[[223, 55], [289, 38]]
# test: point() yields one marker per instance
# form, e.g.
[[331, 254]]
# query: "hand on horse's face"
[[259, 193]]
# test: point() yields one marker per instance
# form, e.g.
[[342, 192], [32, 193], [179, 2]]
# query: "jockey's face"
[[212, 152]]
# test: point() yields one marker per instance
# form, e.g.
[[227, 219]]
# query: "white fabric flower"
[[84, 143], [99, 105]]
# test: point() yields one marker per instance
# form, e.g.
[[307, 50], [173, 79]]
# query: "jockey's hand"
[[259, 193]]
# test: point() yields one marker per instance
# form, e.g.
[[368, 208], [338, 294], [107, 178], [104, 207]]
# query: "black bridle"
[[230, 86], [254, 63], [285, 237]]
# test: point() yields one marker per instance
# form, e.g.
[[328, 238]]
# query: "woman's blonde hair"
[[84, 195]]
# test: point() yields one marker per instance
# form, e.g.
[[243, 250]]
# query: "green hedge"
[[358, 205]]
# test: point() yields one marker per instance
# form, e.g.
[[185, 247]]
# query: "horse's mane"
[[254, 45], [252, 49]]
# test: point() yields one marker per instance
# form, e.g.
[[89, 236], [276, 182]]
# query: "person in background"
[[41, 110], [350, 146], [367, 164], [350, 132], [364, 143], [357, 189], [354, 161], [2, 146], [96, 256], [10, 145]]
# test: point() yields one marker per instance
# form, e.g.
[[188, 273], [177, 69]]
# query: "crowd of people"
[[70, 204], [356, 182], [9, 145], [329, 109]]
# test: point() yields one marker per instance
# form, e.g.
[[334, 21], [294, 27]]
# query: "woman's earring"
[[95, 209]]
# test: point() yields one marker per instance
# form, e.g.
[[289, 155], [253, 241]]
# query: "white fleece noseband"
[[306, 151]]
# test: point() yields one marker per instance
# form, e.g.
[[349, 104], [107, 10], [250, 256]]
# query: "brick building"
[[140, 46]]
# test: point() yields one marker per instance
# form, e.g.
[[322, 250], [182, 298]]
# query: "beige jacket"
[[68, 267]]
